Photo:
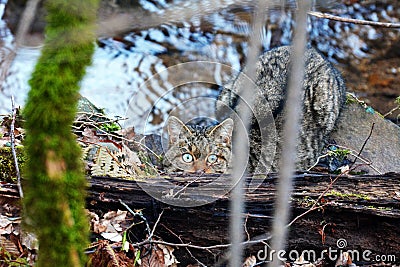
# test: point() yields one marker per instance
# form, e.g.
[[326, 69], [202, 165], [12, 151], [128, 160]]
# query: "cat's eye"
[[187, 157], [212, 158]]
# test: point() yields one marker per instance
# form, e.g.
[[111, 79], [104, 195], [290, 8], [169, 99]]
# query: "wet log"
[[362, 212]]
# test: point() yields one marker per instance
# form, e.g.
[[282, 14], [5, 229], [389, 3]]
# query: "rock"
[[382, 148]]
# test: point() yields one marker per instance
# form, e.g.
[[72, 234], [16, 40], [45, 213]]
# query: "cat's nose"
[[200, 167], [200, 172]]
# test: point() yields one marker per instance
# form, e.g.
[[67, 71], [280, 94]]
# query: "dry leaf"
[[250, 261], [114, 237], [9, 246], [169, 258], [344, 260]]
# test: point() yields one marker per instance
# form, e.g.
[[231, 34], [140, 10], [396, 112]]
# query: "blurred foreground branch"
[[139, 19], [246, 92], [293, 114], [23, 26]]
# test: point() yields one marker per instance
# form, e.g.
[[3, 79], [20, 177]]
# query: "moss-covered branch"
[[55, 184]]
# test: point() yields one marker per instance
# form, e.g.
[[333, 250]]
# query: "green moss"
[[347, 195], [110, 127], [350, 99], [397, 101], [7, 165], [54, 181], [339, 153], [8, 259]]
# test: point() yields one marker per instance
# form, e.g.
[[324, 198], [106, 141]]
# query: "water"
[[122, 65]]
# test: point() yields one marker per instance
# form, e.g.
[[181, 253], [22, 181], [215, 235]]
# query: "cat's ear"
[[175, 127], [223, 131]]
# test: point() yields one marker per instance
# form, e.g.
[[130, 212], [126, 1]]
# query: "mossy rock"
[[8, 172]]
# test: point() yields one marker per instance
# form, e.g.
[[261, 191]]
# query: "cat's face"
[[198, 149]]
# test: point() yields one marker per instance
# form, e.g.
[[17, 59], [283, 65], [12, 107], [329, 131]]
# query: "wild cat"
[[201, 149], [324, 95]]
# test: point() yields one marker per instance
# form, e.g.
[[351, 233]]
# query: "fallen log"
[[362, 212]]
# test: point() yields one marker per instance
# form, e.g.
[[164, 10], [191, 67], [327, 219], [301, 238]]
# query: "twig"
[[155, 225], [137, 19], [314, 206], [100, 115], [245, 227], [159, 157], [186, 186], [391, 111], [14, 153], [257, 216], [367, 163], [365, 142], [139, 214], [145, 242], [187, 249], [317, 161], [323, 235], [355, 21]]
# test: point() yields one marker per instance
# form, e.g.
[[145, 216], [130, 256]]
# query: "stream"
[[140, 74]]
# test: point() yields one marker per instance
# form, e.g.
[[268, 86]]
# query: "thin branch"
[[139, 214], [23, 27], [26, 20], [155, 225], [364, 144], [14, 153], [355, 21], [367, 163], [186, 186], [187, 249], [314, 206], [145, 242], [391, 111], [317, 161], [138, 19], [245, 226]]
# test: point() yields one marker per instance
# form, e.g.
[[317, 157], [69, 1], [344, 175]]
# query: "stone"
[[382, 148]]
